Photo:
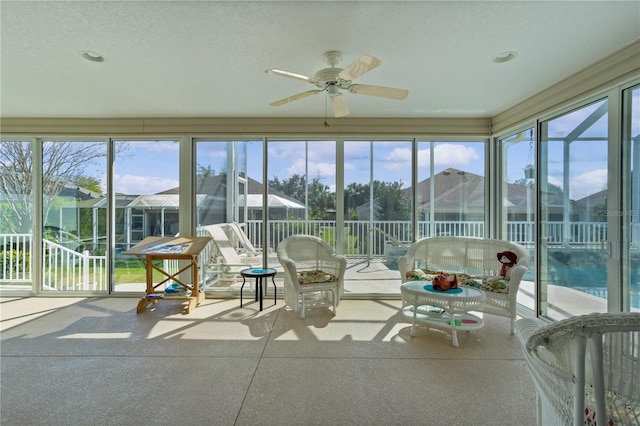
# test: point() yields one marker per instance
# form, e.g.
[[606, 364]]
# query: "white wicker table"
[[420, 306]]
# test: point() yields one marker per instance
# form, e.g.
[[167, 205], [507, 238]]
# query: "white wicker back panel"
[[310, 253], [472, 255]]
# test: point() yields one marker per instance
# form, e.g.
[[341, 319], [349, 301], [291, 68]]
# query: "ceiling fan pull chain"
[[326, 101]]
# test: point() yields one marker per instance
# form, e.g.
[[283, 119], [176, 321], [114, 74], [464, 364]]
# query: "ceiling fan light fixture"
[[505, 57], [333, 90]]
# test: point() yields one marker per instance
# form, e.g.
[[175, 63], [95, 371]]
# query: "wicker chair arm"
[[561, 331]]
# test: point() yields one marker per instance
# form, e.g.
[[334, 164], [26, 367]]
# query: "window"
[[16, 213], [451, 189], [573, 203], [74, 230], [146, 186], [630, 212], [517, 163]]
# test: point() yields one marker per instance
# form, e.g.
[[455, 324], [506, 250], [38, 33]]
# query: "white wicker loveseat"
[[586, 369], [312, 272], [473, 259]]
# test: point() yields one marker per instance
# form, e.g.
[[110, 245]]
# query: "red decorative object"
[[443, 281]]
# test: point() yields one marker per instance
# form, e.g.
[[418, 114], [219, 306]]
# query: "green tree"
[[62, 164], [321, 200], [204, 172], [355, 195], [524, 182], [88, 182], [294, 187], [599, 213], [318, 195], [390, 201]]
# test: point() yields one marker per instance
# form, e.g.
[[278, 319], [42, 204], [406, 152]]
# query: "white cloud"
[[583, 184], [326, 171], [446, 155], [451, 155], [588, 183], [131, 184], [155, 146], [296, 168], [555, 180], [398, 159]]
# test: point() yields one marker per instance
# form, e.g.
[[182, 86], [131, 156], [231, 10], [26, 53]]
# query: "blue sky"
[[153, 167]]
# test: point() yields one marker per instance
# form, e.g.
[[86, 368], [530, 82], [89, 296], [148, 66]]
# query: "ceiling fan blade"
[[383, 92], [289, 74], [339, 105], [295, 97], [363, 64]]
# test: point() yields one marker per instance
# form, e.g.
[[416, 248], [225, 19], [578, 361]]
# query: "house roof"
[[255, 201], [216, 185], [454, 188]]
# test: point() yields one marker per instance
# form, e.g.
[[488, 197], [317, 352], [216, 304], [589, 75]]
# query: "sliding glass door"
[[518, 202], [377, 213], [451, 196], [573, 188], [301, 196], [228, 204], [146, 189], [74, 235], [16, 214], [630, 212]]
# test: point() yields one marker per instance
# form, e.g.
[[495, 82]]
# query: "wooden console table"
[[166, 248]]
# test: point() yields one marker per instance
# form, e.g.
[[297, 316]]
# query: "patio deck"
[[375, 280]]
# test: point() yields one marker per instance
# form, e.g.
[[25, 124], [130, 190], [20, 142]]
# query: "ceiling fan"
[[332, 80]]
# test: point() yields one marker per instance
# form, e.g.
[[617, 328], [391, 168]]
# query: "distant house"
[[460, 196], [214, 206], [457, 196], [594, 206], [140, 216]]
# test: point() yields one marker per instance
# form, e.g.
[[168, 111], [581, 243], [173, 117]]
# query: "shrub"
[[12, 261]]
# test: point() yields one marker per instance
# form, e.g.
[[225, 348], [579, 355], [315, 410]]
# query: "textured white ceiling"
[[207, 59]]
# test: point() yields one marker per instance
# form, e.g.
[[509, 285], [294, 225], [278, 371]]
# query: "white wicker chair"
[[301, 255], [586, 369]]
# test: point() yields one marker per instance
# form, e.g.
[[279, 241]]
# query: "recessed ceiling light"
[[92, 56], [504, 57]]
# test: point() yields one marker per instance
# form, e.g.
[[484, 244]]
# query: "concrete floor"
[[94, 361]]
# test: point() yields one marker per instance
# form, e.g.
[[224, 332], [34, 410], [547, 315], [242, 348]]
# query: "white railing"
[[15, 258], [358, 232], [65, 269]]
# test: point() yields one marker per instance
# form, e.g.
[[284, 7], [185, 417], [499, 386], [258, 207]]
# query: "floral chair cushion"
[[499, 286], [314, 277], [420, 275], [620, 410]]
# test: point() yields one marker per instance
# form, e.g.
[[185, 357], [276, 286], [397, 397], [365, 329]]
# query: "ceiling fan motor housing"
[[329, 77]]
